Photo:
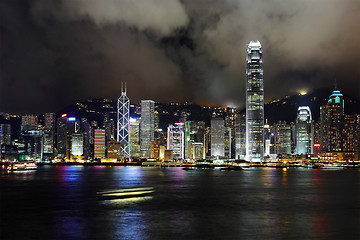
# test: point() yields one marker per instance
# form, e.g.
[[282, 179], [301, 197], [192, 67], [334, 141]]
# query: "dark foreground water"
[[260, 203]]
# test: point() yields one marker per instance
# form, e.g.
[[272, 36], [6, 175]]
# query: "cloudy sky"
[[54, 52]]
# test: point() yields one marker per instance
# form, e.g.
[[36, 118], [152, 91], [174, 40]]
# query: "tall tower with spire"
[[254, 103], [123, 122]]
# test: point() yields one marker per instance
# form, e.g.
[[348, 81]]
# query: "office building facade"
[[254, 103]]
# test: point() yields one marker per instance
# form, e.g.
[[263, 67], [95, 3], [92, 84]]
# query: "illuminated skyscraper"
[[240, 136], [61, 136], [176, 139], [282, 132], [99, 143], [331, 123], [77, 144], [217, 137], [304, 131], [134, 139], [123, 122], [5, 134], [147, 127], [50, 121], [254, 103]]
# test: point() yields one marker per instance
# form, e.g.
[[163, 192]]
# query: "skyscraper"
[[61, 136], [254, 102], [147, 127], [304, 131], [282, 142], [240, 136], [134, 138], [176, 139], [217, 137], [331, 123], [123, 122], [99, 143]]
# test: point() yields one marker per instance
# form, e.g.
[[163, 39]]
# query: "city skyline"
[[86, 52]]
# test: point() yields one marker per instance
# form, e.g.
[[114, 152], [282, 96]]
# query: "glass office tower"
[[147, 127], [254, 103], [304, 133]]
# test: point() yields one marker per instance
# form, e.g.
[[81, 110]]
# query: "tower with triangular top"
[[123, 122]]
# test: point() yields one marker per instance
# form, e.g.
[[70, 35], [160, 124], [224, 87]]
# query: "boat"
[[188, 168], [231, 168], [126, 193], [22, 166], [331, 166]]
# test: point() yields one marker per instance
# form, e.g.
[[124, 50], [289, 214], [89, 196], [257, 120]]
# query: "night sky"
[[55, 52]]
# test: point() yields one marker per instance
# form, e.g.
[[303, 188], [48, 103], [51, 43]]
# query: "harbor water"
[[61, 202]]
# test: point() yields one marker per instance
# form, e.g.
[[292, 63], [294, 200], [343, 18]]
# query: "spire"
[[335, 84], [123, 88]]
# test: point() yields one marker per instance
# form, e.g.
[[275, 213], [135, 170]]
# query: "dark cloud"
[[55, 52]]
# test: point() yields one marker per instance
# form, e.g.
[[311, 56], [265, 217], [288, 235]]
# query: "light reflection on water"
[[259, 203]]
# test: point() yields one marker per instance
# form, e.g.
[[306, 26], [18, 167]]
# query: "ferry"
[[231, 168], [22, 166], [331, 166], [126, 193]]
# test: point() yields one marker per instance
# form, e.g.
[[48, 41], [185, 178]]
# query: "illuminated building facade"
[[99, 143], [282, 132], [227, 142], [331, 123], [50, 121], [240, 136], [114, 150], [217, 137], [196, 150], [147, 127], [77, 144], [176, 140], [155, 149], [29, 122], [254, 103], [61, 136], [134, 138], [5, 134], [123, 122], [304, 131]]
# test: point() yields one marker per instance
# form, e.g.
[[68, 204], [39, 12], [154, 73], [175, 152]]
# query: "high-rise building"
[[147, 127], [134, 139], [187, 137], [304, 131], [61, 136], [123, 122], [227, 142], [351, 133], [176, 140], [85, 129], [282, 132], [29, 122], [240, 136], [114, 150], [217, 137], [155, 149], [254, 103], [50, 121], [77, 144], [196, 150], [99, 143], [5, 134], [331, 123]]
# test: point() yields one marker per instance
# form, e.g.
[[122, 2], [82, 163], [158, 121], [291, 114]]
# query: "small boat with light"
[[331, 166], [22, 166], [231, 168], [126, 193]]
